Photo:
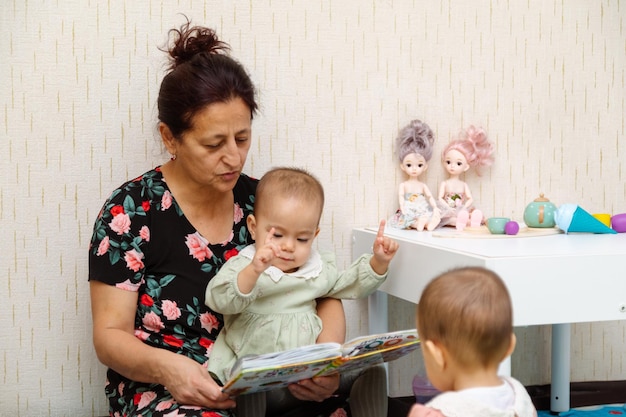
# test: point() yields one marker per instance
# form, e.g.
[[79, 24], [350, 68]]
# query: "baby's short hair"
[[467, 310], [289, 182]]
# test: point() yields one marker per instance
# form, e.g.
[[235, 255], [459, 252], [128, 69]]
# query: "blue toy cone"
[[582, 221]]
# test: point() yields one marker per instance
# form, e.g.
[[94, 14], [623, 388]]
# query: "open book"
[[275, 370]]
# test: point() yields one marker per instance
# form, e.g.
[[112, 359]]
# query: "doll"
[[418, 208], [471, 149]]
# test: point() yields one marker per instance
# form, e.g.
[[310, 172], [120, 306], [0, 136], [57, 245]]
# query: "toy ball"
[[511, 228], [619, 222]]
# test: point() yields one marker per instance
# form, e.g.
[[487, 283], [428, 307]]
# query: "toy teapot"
[[540, 213]]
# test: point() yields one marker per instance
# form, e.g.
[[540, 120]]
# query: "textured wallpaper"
[[337, 79]]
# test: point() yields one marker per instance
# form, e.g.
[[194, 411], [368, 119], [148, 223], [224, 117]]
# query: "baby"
[[465, 324], [267, 292]]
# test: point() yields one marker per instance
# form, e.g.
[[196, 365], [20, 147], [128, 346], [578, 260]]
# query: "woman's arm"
[[113, 312], [330, 310]]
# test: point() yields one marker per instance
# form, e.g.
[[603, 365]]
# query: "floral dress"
[[143, 242], [416, 205], [454, 204]]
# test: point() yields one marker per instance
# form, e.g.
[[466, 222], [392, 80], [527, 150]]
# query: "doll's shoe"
[[477, 218], [461, 220]]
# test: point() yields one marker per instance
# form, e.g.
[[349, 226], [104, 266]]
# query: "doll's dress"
[[416, 205], [455, 202]]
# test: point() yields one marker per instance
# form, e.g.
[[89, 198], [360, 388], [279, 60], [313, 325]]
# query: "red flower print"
[[133, 260], [205, 343], [210, 414], [120, 223], [136, 398], [145, 205], [172, 340], [238, 213], [209, 322], [115, 210], [198, 247], [103, 247], [146, 300], [229, 254]]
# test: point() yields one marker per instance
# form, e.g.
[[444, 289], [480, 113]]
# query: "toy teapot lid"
[[541, 199]]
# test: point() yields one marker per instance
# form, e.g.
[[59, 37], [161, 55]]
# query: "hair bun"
[[190, 41]]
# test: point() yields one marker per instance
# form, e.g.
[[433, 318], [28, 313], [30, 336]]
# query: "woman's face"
[[214, 151]]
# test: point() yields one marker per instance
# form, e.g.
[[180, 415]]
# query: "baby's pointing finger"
[[381, 229], [270, 235]]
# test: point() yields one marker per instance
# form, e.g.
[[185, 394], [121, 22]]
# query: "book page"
[[379, 342]]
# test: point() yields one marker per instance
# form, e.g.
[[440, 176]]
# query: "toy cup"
[[496, 224]]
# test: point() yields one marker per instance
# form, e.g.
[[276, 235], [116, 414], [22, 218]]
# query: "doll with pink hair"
[[418, 208], [471, 150]]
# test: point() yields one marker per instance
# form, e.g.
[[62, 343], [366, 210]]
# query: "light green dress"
[[279, 313]]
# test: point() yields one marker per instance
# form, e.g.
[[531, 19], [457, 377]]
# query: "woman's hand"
[[190, 383], [315, 389]]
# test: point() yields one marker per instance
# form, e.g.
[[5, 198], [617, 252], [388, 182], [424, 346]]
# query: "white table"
[[556, 279]]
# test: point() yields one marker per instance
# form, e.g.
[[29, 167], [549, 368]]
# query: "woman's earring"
[[173, 158]]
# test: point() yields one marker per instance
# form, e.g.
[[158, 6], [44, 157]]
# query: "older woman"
[[162, 236]]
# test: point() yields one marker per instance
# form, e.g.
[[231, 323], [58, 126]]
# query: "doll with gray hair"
[[418, 208]]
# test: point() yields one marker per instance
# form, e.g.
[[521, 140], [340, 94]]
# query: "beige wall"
[[78, 84]]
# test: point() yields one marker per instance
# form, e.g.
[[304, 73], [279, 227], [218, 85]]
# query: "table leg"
[[378, 315], [560, 379]]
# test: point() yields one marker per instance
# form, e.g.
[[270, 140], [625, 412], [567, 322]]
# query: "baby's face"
[[295, 224]]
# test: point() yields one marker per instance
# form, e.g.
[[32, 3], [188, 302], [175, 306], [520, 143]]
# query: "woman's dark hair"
[[201, 73]]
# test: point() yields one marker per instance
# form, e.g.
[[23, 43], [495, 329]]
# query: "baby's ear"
[[511, 348], [251, 221], [436, 352]]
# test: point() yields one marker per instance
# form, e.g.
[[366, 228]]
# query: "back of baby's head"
[[289, 182], [467, 310]]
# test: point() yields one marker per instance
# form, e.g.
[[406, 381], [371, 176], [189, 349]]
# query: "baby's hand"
[[265, 254], [384, 250]]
